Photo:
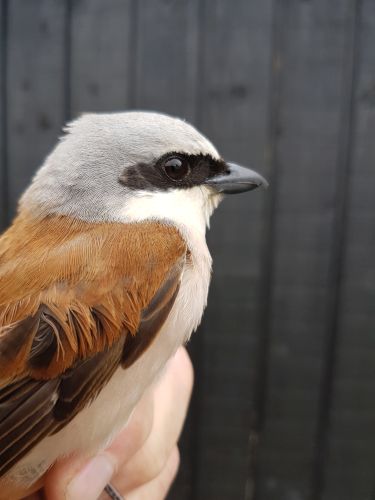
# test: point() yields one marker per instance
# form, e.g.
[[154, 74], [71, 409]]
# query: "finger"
[[171, 396], [158, 488], [76, 477]]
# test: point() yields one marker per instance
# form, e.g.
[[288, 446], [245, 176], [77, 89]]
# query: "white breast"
[[93, 428]]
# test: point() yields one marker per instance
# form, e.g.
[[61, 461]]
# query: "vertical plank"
[[309, 62], [35, 87], [234, 85], [100, 55], [3, 101], [350, 463]]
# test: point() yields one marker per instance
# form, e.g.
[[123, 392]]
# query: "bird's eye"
[[176, 168]]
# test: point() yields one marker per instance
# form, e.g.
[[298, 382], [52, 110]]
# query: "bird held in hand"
[[104, 273]]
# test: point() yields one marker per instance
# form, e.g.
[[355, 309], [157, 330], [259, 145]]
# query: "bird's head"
[[133, 166]]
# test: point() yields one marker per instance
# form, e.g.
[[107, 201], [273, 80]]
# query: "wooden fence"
[[284, 404]]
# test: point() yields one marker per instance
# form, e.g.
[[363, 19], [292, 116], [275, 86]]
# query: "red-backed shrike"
[[104, 273]]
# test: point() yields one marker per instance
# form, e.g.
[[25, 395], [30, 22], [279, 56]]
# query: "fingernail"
[[92, 479]]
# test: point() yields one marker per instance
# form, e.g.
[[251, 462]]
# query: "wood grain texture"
[[351, 438], [35, 82]]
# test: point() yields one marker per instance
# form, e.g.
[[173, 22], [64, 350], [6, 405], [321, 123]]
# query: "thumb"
[[74, 480]]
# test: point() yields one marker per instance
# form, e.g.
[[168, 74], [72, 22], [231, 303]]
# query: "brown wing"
[[46, 406], [69, 319]]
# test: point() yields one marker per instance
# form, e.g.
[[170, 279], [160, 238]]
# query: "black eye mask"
[[173, 170]]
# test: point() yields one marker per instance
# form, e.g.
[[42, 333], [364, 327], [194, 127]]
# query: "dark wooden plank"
[[35, 82], [350, 465], [101, 73], [233, 95], [309, 64], [3, 112]]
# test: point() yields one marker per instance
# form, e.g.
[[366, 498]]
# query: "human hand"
[[143, 460]]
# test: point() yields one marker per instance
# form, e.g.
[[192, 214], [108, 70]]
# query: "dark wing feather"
[[82, 383], [32, 409], [27, 424]]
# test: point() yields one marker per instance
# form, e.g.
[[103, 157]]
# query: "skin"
[[143, 460]]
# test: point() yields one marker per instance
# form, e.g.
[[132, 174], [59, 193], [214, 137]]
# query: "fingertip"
[[60, 475]]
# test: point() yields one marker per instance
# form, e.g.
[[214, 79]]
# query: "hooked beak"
[[237, 179]]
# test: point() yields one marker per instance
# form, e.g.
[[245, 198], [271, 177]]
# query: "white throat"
[[188, 209]]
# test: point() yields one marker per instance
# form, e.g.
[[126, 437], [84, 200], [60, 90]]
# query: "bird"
[[104, 273]]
